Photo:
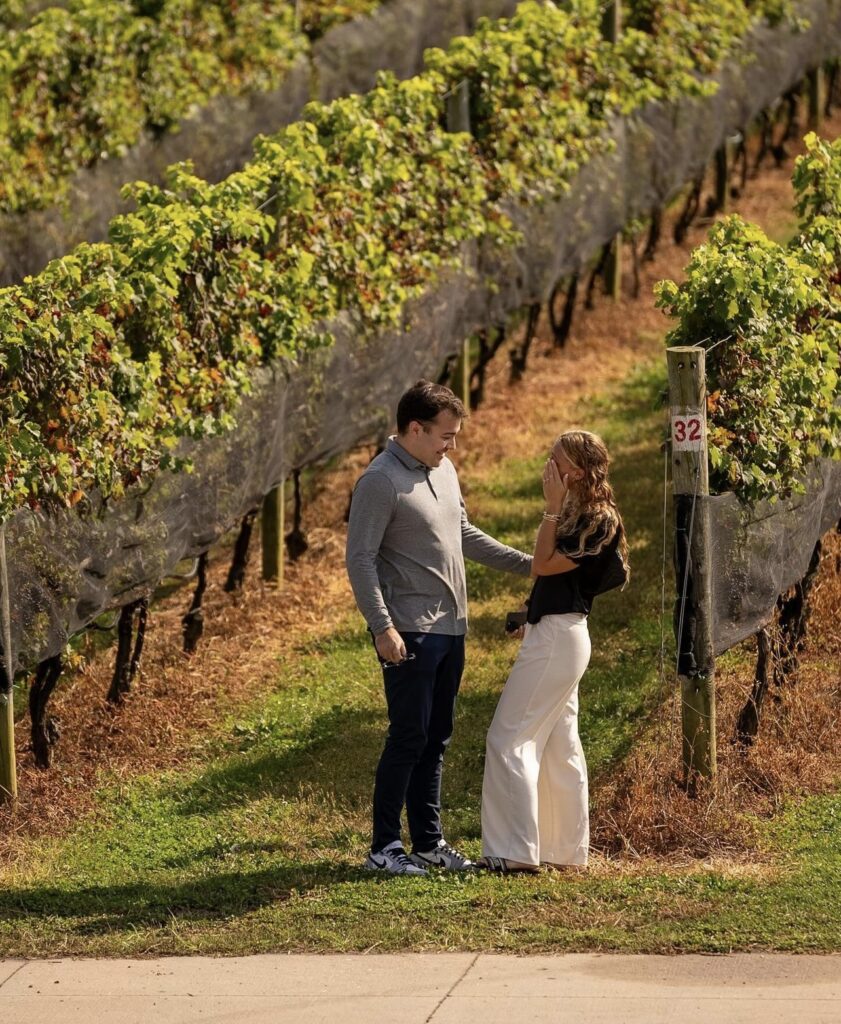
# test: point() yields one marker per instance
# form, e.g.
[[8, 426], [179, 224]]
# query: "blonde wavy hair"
[[590, 517]]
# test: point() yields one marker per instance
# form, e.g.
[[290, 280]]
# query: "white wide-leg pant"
[[534, 795]]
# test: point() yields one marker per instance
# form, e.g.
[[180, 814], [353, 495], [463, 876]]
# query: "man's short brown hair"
[[423, 401]]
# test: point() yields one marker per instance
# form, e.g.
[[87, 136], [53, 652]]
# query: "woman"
[[534, 797]]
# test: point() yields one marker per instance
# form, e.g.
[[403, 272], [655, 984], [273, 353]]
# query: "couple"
[[407, 539]]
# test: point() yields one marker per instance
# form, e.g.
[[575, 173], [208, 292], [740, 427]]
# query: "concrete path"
[[457, 988]]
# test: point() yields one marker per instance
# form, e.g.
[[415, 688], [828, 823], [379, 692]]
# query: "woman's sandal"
[[501, 866]]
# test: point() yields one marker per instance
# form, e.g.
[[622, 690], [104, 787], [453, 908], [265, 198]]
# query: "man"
[[407, 538]]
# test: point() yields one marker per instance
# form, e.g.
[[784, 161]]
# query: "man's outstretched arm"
[[480, 547]]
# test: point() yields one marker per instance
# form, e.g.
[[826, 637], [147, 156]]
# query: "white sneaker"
[[393, 861], [444, 856]]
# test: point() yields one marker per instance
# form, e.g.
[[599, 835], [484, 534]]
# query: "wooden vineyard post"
[[815, 80], [613, 269], [8, 768], [611, 30], [271, 530], [722, 177], [458, 120], [690, 476], [297, 15], [612, 20]]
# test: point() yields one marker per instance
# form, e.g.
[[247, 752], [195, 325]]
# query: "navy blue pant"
[[421, 698]]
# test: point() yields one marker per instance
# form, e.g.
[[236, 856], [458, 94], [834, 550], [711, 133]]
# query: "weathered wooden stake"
[[612, 21], [815, 79], [722, 177], [272, 529], [611, 30], [8, 767], [458, 108], [690, 476]]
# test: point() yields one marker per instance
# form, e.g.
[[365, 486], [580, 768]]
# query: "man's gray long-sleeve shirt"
[[407, 539]]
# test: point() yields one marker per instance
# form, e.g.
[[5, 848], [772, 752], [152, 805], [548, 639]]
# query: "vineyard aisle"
[[224, 809]]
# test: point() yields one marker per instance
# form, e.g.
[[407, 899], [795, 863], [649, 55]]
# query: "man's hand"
[[390, 646]]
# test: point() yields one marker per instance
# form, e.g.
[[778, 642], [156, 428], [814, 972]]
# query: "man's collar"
[[396, 449]]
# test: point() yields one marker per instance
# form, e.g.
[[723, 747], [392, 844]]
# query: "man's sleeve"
[[371, 508], [481, 548]]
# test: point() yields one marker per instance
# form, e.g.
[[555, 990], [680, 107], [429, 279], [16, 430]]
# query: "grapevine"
[[771, 317], [114, 353]]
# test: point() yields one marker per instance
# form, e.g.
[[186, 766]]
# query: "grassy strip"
[[258, 845]]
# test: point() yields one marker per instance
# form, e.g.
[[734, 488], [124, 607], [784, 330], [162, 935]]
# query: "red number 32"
[[688, 430]]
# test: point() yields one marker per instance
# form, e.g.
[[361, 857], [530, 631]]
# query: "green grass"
[[256, 845]]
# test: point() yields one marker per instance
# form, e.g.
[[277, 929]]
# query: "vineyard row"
[[117, 351]]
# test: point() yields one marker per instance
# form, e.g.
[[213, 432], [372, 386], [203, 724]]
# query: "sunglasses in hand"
[[397, 664]]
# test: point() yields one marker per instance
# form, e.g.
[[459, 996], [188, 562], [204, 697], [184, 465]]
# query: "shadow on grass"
[[335, 758], [333, 763], [114, 908]]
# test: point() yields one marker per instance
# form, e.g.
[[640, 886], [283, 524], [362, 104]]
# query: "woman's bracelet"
[[552, 516]]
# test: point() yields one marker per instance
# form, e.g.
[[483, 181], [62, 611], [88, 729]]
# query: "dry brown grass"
[[646, 810], [178, 700]]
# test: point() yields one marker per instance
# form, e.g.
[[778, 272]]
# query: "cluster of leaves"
[[541, 87], [114, 353], [771, 317], [697, 37], [673, 42], [117, 351], [81, 84], [11, 11]]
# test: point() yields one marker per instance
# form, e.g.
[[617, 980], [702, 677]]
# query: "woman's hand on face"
[[554, 487]]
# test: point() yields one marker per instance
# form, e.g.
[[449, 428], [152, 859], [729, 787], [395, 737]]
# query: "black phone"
[[513, 621]]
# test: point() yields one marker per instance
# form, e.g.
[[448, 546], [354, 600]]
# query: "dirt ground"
[[177, 698]]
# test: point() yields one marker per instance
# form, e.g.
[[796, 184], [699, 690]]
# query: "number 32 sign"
[[687, 430]]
